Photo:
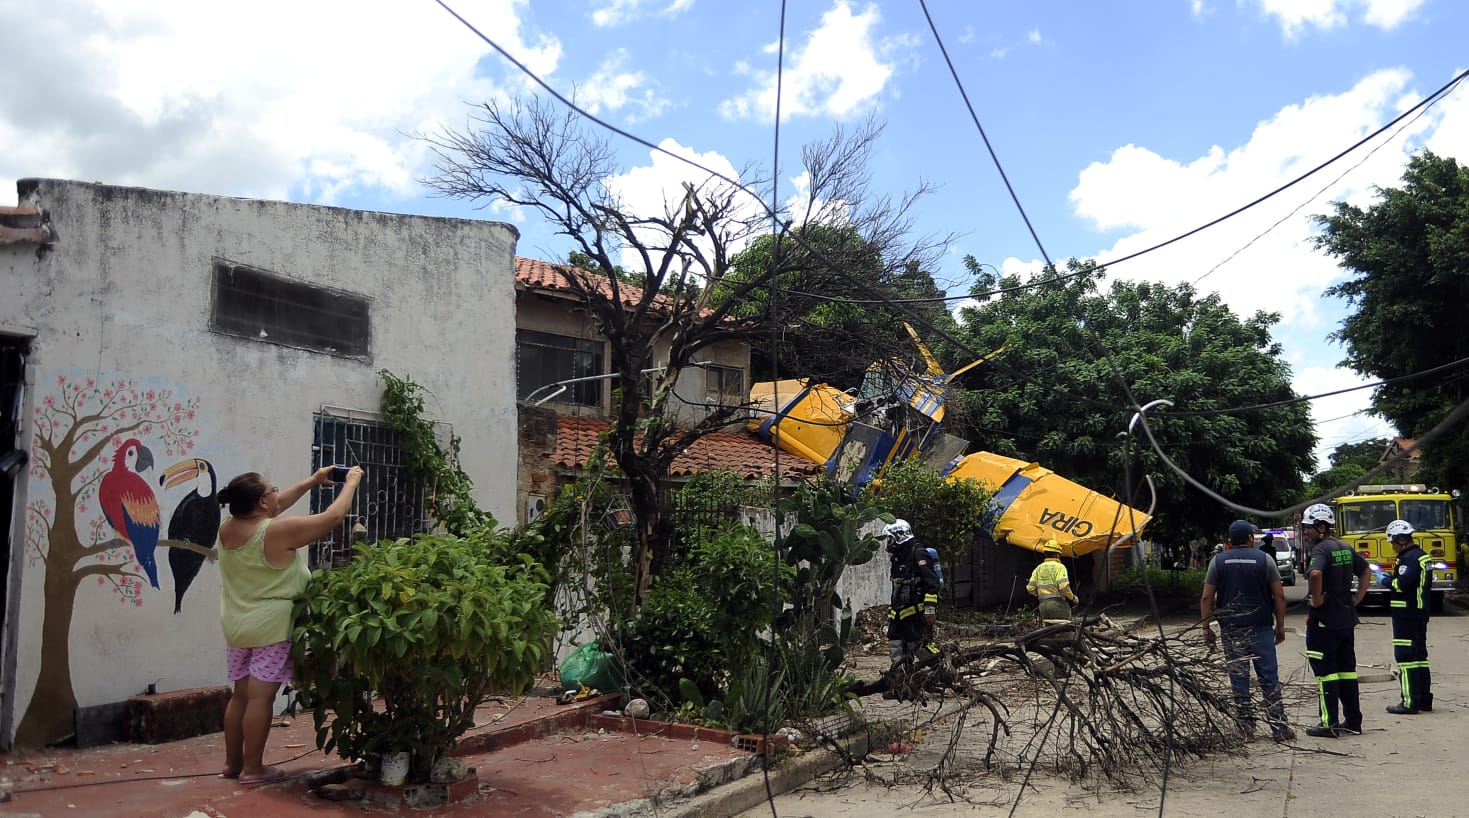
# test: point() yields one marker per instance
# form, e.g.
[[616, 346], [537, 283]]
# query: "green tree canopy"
[[1408, 261], [831, 330], [1047, 397], [1366, 453]]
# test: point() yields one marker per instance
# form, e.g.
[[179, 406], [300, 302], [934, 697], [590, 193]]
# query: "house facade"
[[155, 344], [563, 368]]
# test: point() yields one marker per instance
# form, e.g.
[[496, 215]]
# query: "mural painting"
[[98, 530]]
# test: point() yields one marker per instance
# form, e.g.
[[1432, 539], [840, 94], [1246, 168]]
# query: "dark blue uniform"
[[1411, 583], [1331, 645], [916, 586]]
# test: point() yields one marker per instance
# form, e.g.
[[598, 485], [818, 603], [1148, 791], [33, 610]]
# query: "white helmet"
[[1319, 513], [898, 531], [1398, 528]]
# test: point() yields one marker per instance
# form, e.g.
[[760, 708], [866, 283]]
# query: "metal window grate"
[[261, 306], [389, 503]]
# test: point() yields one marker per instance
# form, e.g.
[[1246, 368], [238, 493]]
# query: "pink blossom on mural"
[[49, 402], [61, 379]]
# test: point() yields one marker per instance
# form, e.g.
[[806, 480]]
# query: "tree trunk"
[[50, 716]]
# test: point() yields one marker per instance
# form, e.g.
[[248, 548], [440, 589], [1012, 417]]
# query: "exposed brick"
[[179, 714]]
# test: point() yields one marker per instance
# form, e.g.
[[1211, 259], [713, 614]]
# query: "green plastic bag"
[[591, 666]]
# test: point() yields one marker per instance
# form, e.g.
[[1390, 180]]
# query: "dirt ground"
[[1359, 775]]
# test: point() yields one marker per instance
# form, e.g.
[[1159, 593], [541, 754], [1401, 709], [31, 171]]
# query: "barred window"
[[542, 359], [261, 306], [389, 503]]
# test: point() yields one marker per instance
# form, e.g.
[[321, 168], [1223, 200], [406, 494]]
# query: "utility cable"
[[1375, 148], [1451, 419], [777, 540], [1428, 100]]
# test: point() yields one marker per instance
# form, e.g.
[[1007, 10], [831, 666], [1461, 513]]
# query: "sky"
[[1119, 123]]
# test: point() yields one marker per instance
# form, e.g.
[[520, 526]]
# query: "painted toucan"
[[129, 504], [195, 519]]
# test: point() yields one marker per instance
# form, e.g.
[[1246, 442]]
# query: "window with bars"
[[542, 359], [389, 503], [262, 306], [724, 384]]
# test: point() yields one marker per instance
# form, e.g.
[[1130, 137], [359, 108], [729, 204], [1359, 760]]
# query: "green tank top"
[[255, 605]]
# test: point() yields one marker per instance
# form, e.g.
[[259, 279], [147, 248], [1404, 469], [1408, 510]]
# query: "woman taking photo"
[[262, 576]]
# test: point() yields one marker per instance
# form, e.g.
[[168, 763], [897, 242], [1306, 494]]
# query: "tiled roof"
[[543, 275], [737, 451], [25, 225]]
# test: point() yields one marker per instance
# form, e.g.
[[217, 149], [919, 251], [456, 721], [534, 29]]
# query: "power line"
[[1292, 183], [1421, 111]]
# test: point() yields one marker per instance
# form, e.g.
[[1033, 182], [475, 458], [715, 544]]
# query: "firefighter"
[[915, 599], [1331, 624], [1050, 584], [1410, 584]]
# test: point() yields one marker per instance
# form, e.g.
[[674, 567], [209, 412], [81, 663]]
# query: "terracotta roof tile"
[[25, 225], [738, 451], [543, 275]]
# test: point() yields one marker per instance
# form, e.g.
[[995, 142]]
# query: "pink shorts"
[[269, 663]]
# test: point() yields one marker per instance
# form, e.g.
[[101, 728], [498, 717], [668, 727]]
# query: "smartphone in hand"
[[339, 473]]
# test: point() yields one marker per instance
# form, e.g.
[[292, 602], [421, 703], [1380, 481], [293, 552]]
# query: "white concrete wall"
[[861, 587], [123, 300]]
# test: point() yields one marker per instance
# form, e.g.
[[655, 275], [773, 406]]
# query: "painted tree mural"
[[95, 443]]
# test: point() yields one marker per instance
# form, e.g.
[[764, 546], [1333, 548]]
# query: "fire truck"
[[1362, 518]]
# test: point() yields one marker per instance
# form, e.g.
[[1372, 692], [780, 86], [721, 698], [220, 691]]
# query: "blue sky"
[[1119, 123]]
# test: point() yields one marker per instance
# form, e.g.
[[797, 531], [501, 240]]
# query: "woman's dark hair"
[[243, 493]]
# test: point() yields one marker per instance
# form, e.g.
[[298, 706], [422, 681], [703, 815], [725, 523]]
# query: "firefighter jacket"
[[916, 583], [1049, 580], [1410, 583]]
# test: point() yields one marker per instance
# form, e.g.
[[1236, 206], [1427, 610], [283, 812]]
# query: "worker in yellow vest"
[[1050, 584]]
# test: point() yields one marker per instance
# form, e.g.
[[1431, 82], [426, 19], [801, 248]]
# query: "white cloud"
[[658, 188], [1259, 265], [967, 36], [1340, 418], [1198, 8], [1294, 16], [268, 100], [1265, 259], [613, 88], [837, 72], [1389, 14], [617, 12], [1034, 37]]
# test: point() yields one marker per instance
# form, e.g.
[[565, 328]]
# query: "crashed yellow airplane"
[[898, 414]]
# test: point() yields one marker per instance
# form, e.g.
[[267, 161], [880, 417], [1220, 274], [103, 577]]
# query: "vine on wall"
[[451, 492]]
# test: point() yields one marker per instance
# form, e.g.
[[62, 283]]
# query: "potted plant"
[[430, 624]]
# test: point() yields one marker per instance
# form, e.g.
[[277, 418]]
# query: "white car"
[[1285, 553]]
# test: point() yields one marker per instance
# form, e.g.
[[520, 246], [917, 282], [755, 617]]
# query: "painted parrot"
[[129, 504], [195, 519]]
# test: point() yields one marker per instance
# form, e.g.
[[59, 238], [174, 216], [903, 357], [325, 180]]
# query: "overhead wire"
[[1375, 148], [878, 296], [778, 539], [1053, 279], [1430, 99], [883, 297]]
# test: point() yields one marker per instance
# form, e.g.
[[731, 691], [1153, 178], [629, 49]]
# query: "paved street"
[[1361, 775]]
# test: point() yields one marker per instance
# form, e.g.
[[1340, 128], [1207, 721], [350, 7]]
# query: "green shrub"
[[1165, 583], [432, 624], [704, 618]]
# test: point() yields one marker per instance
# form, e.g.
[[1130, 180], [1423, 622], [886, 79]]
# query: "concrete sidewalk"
[[532, 757]]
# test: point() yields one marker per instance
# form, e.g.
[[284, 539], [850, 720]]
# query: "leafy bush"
[[704, 618], [944, 513], [432, 624], [1164, 582]]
